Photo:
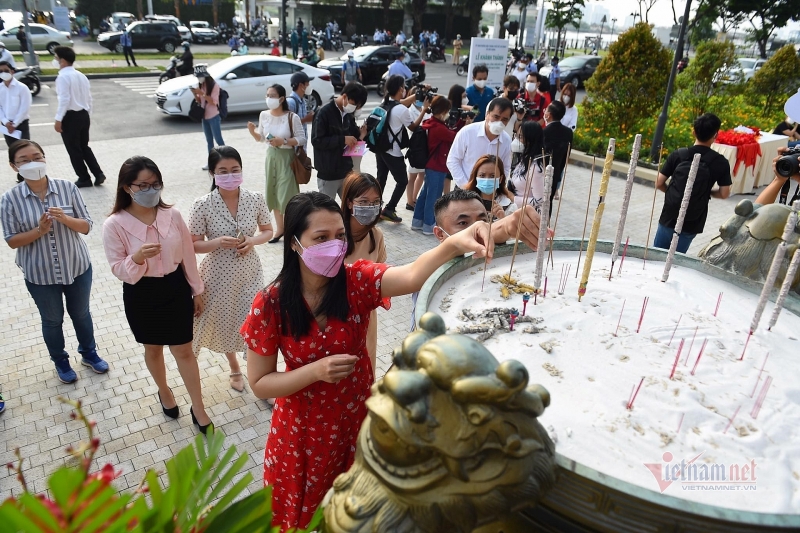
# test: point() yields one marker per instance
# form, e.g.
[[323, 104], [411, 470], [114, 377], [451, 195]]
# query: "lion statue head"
[[451, 442]]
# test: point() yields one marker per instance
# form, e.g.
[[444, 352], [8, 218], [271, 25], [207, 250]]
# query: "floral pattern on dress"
[[313, 434]]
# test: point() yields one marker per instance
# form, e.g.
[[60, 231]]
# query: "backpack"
[[701, 191], [223, 104], [417, 153], [380, 136]]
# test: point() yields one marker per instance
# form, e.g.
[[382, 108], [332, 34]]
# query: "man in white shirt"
[[72, 117], [6, 56], [479, 139], [15, 104]]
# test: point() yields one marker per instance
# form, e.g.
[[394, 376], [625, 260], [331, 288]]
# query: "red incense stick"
[[730, 421], [674, 330], [677, 358], [719, 299], [620, 317], [703, 347], [750, 334], [544, 294], [691, 344], [680, 423], [624, 252], [641, 316], [759, 374], [761, 396], [635, 394]]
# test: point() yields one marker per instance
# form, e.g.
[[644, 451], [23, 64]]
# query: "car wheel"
[[380, 88], [164, 77], [51, 48], [461, 70], [313, 102], [169, 47], [118, 48], [576, 82]]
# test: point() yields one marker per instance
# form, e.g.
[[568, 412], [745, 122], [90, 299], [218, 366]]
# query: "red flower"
[[106, 474]]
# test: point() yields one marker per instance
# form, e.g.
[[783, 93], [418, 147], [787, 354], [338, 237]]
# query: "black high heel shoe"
[[172, 412], [203, 429], [275, 239]]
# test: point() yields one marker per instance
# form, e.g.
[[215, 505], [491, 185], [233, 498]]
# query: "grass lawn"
[[144, 55], [99, 70]]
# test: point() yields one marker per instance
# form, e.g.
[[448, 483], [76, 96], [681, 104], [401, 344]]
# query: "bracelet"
[[38, 230]]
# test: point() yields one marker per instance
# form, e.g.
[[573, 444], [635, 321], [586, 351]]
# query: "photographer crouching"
[[787, 169]]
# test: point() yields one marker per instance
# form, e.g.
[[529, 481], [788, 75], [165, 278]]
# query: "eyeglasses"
[[367, 203], [36, 159], [146, 186]]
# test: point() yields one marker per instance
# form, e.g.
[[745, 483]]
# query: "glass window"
[[279, 68], [254, 69], [36, 30]]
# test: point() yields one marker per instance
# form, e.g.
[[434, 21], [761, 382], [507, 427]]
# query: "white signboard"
[[61, 18], [490, 52]]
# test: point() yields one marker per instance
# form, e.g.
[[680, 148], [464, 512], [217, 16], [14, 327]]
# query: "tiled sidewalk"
[[135, 434]]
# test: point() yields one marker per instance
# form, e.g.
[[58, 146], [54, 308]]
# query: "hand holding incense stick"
[[687, 195], [548, 184], [598, 217], [626, 200]]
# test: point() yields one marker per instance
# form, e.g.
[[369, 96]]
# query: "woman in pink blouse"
[[149, 248], [207, 95]]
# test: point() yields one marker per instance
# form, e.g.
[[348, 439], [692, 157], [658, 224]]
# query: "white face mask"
[[35, 170], [5, 76], [480, 84], [273, 103], [496, 128], [349, 108], [521, 66], [530, 87], [566, 99], [517, 147]]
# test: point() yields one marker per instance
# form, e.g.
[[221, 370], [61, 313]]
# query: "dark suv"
[[163, 36], [373, 62]]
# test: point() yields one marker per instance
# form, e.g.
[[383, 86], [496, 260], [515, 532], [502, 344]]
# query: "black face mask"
[[512, 94]]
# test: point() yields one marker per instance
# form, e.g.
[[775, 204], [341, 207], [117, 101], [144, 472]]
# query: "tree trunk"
[[246, 4], [762, 47], [448, 21], [475, 8], [215, 11], [139, 10], [386, 5], [351, 17], [417, 10], [177, 8]]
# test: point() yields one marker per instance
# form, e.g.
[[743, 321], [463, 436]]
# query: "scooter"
[[171, 72], [436, 52], [463, 67], [410, 82], [28, 76]]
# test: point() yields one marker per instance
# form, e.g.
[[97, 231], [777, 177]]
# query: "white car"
[[44, 38], [246, 79]]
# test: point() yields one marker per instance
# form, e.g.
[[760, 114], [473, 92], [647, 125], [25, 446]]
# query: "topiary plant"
[[777, 80], [704, 76], [630, 82]]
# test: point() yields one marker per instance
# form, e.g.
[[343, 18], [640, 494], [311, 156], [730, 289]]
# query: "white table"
[[745, 180]]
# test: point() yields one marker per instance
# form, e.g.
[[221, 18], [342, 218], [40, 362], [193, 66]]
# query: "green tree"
[[417, 10], [701, 78], [630, 82], [564, 13], [766, 16], [777, 80], [505, 5]]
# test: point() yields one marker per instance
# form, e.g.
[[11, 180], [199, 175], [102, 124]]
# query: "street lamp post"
[[600, 37], [634, 15], [613, 21], [662, 118]]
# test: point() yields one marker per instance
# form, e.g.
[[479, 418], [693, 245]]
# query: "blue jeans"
[[51, 309], [430, 192], [664, 238], [792, 144], [213, 130]]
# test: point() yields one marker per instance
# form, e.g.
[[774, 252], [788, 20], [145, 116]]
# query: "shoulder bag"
[[301, 164]]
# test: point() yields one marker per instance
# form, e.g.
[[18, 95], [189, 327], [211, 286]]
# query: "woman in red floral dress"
[[316, 313]]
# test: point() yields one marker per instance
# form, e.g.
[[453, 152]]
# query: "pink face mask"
[[325, 258], [229, 182]]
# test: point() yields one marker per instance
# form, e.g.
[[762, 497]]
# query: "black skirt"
[[160, 310]]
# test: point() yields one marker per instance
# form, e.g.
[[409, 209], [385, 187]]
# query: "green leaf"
[[37, 510], [250, 514], [11, 513], [63, 483], [102, 499]]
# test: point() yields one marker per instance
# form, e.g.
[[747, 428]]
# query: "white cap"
[[350, 53]]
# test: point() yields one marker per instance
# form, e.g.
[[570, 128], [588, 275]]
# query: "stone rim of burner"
[[585, 497]]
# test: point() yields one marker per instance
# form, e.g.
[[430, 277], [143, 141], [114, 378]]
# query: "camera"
[[789, 163], [523, 106], [457, 114], [423, 95]]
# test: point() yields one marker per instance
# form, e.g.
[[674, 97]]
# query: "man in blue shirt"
[[554, 79], [127, 47], [350, 69], [296, 101], [478, 94], [399, 68]]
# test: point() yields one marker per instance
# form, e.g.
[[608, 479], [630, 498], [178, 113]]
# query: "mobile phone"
[[240, 235], [270, 136]]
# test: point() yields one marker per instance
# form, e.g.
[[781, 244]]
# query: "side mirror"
[[230, 76]]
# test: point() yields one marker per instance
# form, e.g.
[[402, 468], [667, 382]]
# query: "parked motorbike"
[[463, 67], [171, 72], [29, 76], [436, 53], [410, 82], [311, 59]]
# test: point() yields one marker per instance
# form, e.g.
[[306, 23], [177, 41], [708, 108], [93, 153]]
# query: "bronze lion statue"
[[747, 241], [451, 442]]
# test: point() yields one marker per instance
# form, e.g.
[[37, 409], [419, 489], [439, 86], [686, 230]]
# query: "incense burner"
[[588, 498]]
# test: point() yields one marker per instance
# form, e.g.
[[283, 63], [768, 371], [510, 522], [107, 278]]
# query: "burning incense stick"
[[677, 358], [598, 217], [491, 216], [730, 421], [692, 344], [641, 316], [586, 217], [562, 284], [624, 253], [750, 334], [544, 294], [785, 287], [652, 210], [635, 394], [548, 184], [620, 317], [560, 201], [626, 200], [674, 330], [761, 397], [697, 362], [680, 423], [719, 300], [777, 261], [687, 195], [759, 374], [528, 186]]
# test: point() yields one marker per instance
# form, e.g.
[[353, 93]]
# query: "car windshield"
[[747, 63], [572, 62]]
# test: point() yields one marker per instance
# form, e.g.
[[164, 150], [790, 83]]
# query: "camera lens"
[[788, 165]]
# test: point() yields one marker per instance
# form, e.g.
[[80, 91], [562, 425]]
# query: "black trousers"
[[397, 166], [26, 133], [128, 51], [75, 134]]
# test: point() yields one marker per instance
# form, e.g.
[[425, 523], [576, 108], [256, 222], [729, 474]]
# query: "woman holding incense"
[[488, 178], [316, 313]]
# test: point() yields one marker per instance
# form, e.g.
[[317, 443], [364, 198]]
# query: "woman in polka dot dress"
[[226, 224], [316, 313]]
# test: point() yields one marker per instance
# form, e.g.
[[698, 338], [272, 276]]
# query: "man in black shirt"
[[714, 170], [786, 128], [557, 140], [334, 130]]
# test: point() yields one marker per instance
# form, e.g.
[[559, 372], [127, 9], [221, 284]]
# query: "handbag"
[[301, 164], [196, 112]]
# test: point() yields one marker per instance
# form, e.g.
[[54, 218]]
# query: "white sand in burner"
[[590, 373]]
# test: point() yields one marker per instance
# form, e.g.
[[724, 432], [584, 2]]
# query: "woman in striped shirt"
[[42, 220]]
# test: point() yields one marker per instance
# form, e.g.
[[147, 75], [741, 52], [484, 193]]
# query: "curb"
[[619, 169], [109, 75]]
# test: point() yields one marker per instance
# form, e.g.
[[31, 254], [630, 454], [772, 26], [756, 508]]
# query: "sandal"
[[236, 381]]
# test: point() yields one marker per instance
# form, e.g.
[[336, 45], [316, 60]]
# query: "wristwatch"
[[285, 141]]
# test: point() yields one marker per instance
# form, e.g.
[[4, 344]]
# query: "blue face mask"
[[488, 185]]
